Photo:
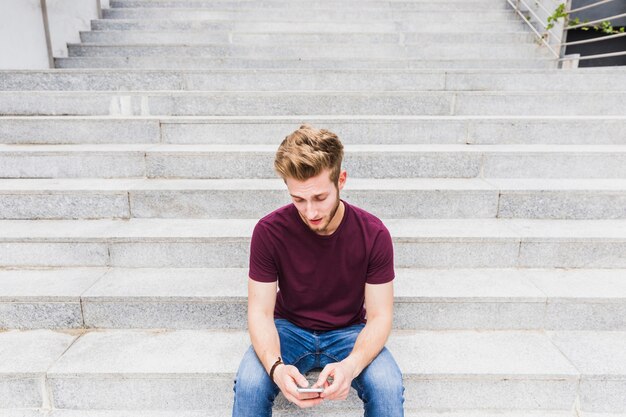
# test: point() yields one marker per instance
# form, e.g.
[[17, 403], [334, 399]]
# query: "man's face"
[[317, 199]]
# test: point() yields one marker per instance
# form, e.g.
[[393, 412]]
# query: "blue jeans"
[[379, 386]]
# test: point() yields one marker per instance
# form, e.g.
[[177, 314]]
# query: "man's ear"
[[343, 176]]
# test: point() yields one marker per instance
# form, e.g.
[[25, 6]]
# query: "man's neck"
[[335, 221]]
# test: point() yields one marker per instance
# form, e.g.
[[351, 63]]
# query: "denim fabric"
[[379, 386]]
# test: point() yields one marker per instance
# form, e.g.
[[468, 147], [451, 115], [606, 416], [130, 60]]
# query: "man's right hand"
[[288, 379]]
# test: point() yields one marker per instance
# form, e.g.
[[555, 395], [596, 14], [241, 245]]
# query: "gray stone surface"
[[78, 130], [25, 356], [593, 79], [604, 162], [418, 242], [367, 4], [321, 15], [231, 253], [327, 52], [348, 26], [307, 103], [231, 103], [550, 204], [290, 38], [580, 299], [153, 62], [561, 164], [566, 129], [352, 130], [59, 164], [192, 362], [534, 103], [41, 315], [600, 357], [51, 254], [317, 411], [412, 130], [63, 205]]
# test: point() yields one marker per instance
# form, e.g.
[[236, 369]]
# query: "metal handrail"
[[589, 6], [615, 35], [595, 21], [556, 54], [582, 58], [560, 40]]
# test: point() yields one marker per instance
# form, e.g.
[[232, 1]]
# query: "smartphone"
[[320, 390]]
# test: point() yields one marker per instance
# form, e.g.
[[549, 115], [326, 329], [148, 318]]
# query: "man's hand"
[[342, 373], [288, 378]]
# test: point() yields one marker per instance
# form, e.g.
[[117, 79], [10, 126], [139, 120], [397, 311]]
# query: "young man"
[[331, 261]]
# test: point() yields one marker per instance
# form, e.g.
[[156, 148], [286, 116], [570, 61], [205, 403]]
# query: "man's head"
[[309, 161]]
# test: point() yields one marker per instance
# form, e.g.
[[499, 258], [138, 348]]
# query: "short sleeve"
[[262, 264], [380, 267]]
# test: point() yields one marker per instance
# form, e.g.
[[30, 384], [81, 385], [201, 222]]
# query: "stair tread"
[[420, 354], [404, 229], [467, 285], [97, 185]]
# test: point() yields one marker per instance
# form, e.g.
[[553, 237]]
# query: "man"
[[330, 260]]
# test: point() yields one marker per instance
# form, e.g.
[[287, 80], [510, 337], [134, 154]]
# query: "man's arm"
[[266, 343], [371, 340]]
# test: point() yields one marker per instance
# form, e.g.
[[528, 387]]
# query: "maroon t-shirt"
[[321, 279]]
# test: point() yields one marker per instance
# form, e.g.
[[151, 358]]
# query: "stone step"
[[252, 103], [224, 243], [594, 79], [314, 51], [290, 413], [317, 4], [353, 130], [305, 27], [361, 161], [268, 39], [155, 62], [29, 199], [443, 14], [216, 298], [195, 370]]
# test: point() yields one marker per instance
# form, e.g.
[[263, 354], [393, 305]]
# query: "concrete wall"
[[22, 35]]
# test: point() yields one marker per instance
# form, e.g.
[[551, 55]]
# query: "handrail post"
[[46, 29], [571, 63], [568, 7]]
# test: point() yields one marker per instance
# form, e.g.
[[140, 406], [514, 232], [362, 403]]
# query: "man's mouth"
[[315, 221]]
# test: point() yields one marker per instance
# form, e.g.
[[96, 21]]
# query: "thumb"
[[300, 379], [324, 376]]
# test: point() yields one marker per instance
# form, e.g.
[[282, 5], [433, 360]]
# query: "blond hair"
[[308, 151]]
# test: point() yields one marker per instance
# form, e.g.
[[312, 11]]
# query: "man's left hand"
[[342, 373]]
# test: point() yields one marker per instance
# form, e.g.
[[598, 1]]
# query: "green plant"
[[560, 13]]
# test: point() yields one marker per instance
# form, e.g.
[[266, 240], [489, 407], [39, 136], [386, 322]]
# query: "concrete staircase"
[[132, 177]]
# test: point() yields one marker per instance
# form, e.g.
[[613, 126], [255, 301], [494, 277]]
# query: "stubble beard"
[[324, 228]]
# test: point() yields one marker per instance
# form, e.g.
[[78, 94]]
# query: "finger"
[[300, 379], [308, 403], [330, 392], [303, 403], [308, 395], [326, 372]]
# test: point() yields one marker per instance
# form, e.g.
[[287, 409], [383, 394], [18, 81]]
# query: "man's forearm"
[[265, 340], [370, 342]]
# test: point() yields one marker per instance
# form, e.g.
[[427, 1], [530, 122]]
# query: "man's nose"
[[311, 211]]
